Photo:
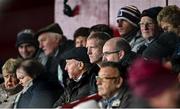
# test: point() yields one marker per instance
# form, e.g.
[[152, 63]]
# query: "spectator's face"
[[80, 41], [167, 27], [24, 79], [48, 42], [108, 82], [73, 68], [124, 27], [110, 54], [148, 27], [10, 80], [26, 50], [94, 51]]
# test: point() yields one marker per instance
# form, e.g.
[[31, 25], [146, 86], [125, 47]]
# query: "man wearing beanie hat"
[[152, 12], [149, 27], [52, 44], [77, 66], [128, 19], [153, 82], [26, 44]]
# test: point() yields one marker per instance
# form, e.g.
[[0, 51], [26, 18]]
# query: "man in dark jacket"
[[77, 64], [94, 45], [112, 87], [52, 45], [149, 27], [117, 49]]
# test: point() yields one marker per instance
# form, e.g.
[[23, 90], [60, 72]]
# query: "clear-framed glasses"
[[111, 52], [148, 24], [105, 78]]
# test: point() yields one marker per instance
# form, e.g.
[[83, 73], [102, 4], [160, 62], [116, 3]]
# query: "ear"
[[119, 82], [121, 54], [81, 65], [57, 38]]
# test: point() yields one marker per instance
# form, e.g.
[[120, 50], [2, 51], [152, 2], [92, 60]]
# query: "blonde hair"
[[170, 14], [10, 66]]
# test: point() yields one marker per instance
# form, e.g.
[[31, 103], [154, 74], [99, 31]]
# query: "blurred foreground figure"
[[154, 83]]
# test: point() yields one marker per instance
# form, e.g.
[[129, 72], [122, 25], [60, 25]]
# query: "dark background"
[[16, 15]]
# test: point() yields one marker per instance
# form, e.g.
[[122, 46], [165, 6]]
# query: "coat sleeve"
[[61, 100], [44, 96], [42, 99]]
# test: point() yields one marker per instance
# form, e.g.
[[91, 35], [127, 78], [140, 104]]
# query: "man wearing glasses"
[[117, 49], [149, 27], [112, 86]]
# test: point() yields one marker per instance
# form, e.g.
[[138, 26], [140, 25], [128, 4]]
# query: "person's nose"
[[9, 79], [98, 82], [40, 45], [104, 59], [65, 68], [24, 49], [119, 23], [88, 51]]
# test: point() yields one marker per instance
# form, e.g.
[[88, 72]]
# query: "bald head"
[[112, 49], [112, 42]]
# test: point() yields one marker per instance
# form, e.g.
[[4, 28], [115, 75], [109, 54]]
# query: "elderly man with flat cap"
[[77, 66], [52, 44]]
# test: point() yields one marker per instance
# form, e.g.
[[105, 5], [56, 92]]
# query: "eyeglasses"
[[105, 78], [111, 52], [148, 24]]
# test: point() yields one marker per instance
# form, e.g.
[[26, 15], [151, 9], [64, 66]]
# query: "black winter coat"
[[76, 90], [41, 94]]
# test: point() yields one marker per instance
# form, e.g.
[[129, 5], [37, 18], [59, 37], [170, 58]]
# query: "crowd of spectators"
[[139, 69]]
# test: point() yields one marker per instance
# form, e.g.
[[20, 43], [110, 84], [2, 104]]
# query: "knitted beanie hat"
[[129, 13]]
